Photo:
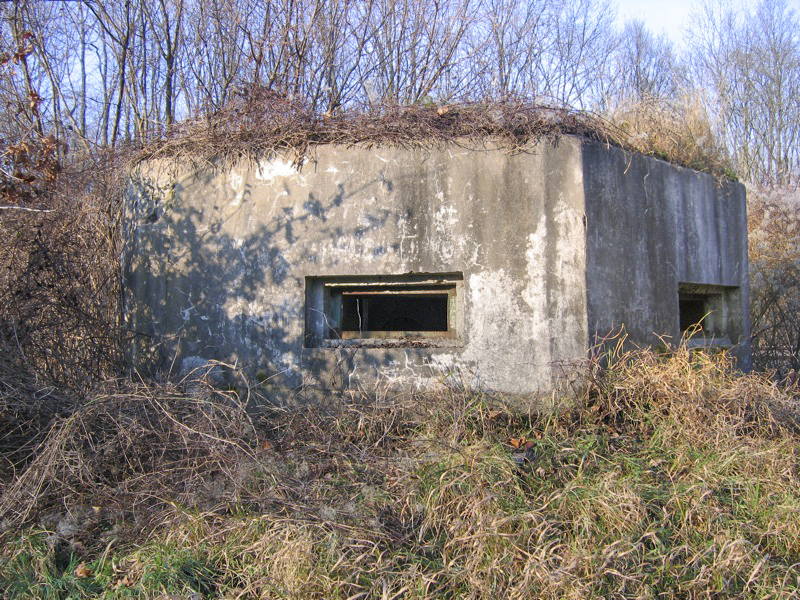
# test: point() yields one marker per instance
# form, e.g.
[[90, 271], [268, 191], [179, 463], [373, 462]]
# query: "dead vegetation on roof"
[[265, 123]]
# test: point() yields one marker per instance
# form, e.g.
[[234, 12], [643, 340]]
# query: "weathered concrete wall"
[[551, 249], [650, 226], [217, 258]]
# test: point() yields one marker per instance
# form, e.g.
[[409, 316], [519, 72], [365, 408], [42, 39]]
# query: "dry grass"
[[674, 476], [695, 397], [679, 132], [130, 447], [265, 123], [26, 408]]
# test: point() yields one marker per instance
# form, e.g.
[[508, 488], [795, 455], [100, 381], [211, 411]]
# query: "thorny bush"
[[774, 248]]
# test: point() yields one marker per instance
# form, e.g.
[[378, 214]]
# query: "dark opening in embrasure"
[[394, 311]]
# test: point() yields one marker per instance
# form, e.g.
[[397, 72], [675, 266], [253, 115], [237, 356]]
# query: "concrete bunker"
[[407, 265]]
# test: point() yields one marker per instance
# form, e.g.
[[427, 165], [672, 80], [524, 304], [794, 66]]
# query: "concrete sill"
[[709, 342], [393, 343]]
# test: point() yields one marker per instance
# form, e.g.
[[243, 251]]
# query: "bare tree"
[[509, 42], [749, 66], [214, 47], [774, 248], [551, 50], [583, 41], [643, 67], [117, 22], [341, 37], [104, 72], [412, 47], [165, 19]]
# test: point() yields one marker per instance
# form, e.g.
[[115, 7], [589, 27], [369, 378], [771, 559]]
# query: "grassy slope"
[[672, 477]]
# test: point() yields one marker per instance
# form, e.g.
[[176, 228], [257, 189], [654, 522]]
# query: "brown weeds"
[[679, 132], [673, 476], [695, 396], [129, 448]]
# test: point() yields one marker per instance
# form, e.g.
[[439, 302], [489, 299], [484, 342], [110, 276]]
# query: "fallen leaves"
[[82, 571]]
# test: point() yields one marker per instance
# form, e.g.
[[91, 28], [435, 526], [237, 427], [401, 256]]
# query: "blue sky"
[[669, 16]]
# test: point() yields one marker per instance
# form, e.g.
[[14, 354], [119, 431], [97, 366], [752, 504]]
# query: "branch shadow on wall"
[[196, 292]]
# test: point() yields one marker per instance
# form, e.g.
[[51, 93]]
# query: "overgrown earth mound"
[[262, 122]]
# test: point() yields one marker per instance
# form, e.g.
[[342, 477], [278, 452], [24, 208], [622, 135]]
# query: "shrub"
[[774, 247]]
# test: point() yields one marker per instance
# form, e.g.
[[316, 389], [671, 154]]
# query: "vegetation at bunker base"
[[673, 476]]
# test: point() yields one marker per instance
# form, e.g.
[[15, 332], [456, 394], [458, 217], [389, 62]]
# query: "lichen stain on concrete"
[[407, 239], [444, 222], [535, 292], [407, 369], [441, 362], [496, 316], [272, 168], [570, 313], [236, 181], [571, 255], [265, 329]]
